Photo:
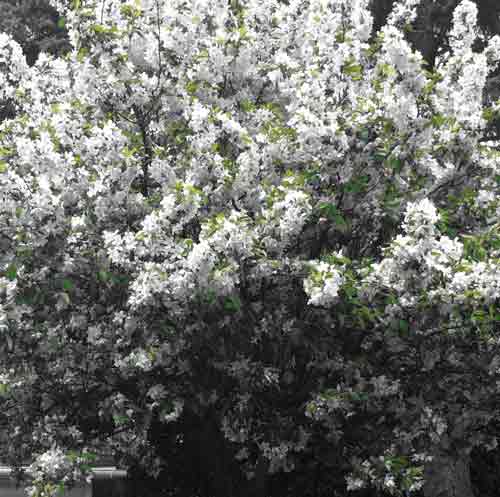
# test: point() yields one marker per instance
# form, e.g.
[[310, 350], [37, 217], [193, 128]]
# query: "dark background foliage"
[[35, 25]]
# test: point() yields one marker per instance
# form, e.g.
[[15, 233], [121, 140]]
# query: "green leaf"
[[209, 297], [72, 455], [330, 394], [102, 30], [67, 285], [353, 69], [386, 70], [5, 151], [329, 210], [395, 163], [408, 28], [438, 120], [232, 304], [242, 31], [61, 22], [11, 272], [403, 326], [192, 87], [89, 456], [364, 135], [379, 155], [130, 11], [120, 279], [120, 419], [3, 166], [247, 106], [340, 221], [311, 408], [359, 396], [340, 36], [82, 53], [488, 114], [357, 185], [98, 28]]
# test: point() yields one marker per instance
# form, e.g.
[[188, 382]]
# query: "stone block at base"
[[111, 474]]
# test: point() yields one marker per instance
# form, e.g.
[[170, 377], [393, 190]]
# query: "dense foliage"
[[251, 248], [35, 25]]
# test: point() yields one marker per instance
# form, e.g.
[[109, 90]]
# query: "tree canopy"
[[250, 248]]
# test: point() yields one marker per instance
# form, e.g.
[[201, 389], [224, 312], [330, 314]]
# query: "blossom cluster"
[[52, 470], [250, 213]]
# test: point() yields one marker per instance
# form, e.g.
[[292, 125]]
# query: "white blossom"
[[323, 285]]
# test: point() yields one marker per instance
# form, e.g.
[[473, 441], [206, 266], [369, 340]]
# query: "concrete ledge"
[[106, 473], [84, 489], [99, 473]]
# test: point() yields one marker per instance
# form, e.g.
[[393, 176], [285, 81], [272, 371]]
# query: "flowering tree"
[[241, 246]]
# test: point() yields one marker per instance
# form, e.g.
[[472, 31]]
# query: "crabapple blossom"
[[254, 225], [323, 284]]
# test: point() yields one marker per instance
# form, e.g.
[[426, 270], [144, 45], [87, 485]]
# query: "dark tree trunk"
[[448, 476]]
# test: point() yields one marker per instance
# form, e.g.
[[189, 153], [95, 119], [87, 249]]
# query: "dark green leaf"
[[11, 272], [232, 304]]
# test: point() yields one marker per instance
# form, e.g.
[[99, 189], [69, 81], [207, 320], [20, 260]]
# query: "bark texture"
[[448, 476]]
